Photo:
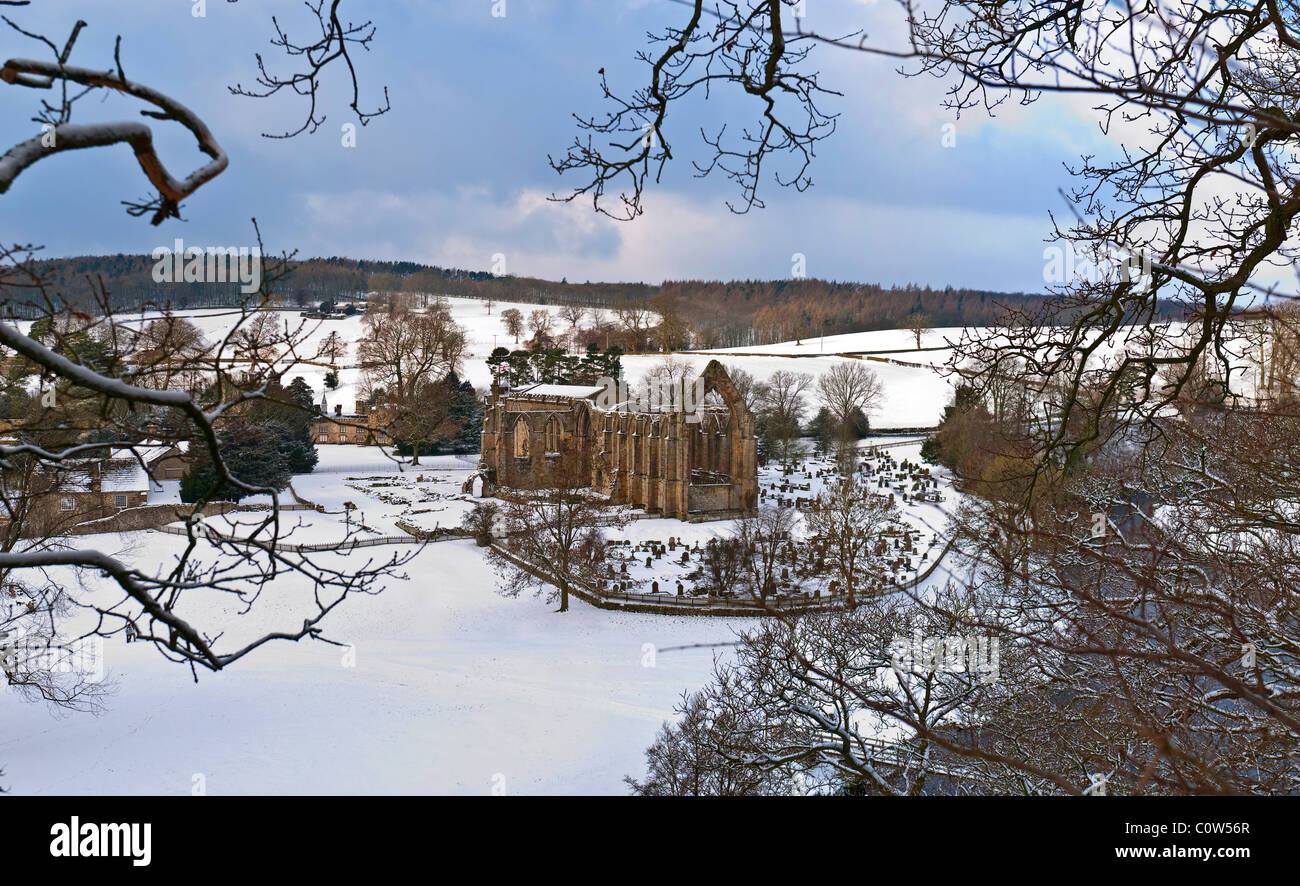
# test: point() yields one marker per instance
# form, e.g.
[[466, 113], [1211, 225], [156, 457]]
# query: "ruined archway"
[[722, 452]]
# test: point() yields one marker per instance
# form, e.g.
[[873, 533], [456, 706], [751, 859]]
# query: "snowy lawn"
[[453, 686]]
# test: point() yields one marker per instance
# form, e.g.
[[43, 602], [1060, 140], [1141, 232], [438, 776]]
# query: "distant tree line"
[[681, 313]]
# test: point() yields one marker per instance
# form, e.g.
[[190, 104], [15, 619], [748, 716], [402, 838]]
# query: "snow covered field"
[[450, 688], [483, 332], [914, 395], [916, 389], [453, 686]]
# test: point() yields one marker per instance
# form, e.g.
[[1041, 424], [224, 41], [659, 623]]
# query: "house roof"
[[115, 475], [75, 479], [124, 476], [577, 392], [149, 450]]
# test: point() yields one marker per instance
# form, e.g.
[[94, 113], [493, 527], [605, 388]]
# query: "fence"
[[668, 603], [706, 605], [363, 468], [902, 757]]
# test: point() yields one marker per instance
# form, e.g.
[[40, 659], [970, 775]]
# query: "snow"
[[148, 451], [452, 686], [899, 343], [915, 391], [483, 331], [914, 396], [164, 492], [124, 476], [575, 391]]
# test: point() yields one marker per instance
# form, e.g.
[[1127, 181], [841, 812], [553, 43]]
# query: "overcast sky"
[[458, 171]]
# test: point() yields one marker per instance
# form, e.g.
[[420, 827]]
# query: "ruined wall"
[[660, 461]]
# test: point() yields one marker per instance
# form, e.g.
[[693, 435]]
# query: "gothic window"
[[553, 435], [521, 438]]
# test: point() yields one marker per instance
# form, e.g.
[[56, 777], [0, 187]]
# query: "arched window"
[[553, 435], [521, 438]]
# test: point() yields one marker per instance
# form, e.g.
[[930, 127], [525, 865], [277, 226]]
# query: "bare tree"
[[553, 532], [338, 40], [744, 43], [848, 389], [636, 319], [513, 320], [540, 324], [673, 329], [918, 324], [573, 315], [723, 561], [802, 705], [166, 354], [750, 389], [262, 339], [851, 520], [669, 371], [763, 537], [332, 349], [782, 405], [336, 43], [407, 357]]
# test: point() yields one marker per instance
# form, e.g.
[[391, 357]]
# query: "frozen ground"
[[455, 689], [453, 686]]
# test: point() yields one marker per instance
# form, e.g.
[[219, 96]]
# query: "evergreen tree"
[[256, 452]]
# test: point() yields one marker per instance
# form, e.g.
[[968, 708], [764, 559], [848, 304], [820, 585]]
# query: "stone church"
[[696, 465]]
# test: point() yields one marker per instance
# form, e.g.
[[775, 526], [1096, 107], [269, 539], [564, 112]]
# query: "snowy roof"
[[115, 475], [148, 453], [574, 391], [124, 476], [149, 450], [76, 479]]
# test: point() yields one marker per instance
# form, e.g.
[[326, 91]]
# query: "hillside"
[[718, 313]]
